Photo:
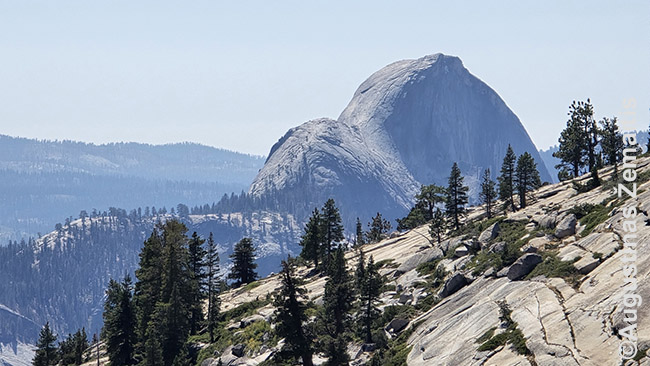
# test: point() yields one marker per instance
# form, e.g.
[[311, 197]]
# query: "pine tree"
[[438, 225], [527, 177], [429, 197], [151, 348], [243, 263], [119, 322], [290, 315], [172, 318], [578, 142], [647, 145], [360, 272], [46, 350], [198, 277], [416, 217], [369, 284], [183, 357], [312, 239], [213, 284], [337, 304], [360, 235], [172, 313], [66, 351], [488, 193], [592, 133], [570, 151], [80, 341], [377, 228], [331, 228], [72, 348], [611, 143], [163, 294], [427, 200], [147, 287], [456, 196], [506, 180]]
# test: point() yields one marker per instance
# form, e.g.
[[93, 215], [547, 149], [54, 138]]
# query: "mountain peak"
[[405, 126]]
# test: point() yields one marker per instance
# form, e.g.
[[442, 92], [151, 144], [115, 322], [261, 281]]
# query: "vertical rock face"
[[434, 112], [404, 126]]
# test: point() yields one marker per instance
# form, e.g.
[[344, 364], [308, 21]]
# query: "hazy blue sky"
[[239, 74]]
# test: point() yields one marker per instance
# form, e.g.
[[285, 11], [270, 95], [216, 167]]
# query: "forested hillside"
[[62, 277], [43, 182]]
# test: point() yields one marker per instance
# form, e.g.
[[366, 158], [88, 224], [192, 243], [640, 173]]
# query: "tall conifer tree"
[[369, 284], [46, 350], [119, 322], [337, 304], [377, 228], [506, 180], [213, 284], [456, 196], [197, 256], [172, 313], [527, 177], [360, 235], [290, 316], [612, 143], [312, 239], [243, 263], [331, 229], [147, 287], [488, 193], [438, 225]]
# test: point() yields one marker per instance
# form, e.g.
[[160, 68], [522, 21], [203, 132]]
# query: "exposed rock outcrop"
[[405, 125], [566, 227], [453, 284], [523, 266]]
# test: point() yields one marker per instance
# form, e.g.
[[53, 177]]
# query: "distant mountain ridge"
[[42, 182], [405, 126], [177, 161]]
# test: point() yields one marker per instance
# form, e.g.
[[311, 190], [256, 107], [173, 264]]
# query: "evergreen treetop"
[[46, 350], [456, 196], [290, 316], [488, 193], [527, 178], [243, 263], [506, 179]]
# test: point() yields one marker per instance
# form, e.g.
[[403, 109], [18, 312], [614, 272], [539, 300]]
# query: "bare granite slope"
[[566, 320]]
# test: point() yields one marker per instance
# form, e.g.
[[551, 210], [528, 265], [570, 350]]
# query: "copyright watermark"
[[628, 347]]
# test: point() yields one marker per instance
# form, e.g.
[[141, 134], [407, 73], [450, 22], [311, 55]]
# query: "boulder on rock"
[[566, 227], [415, 260], [489, 233], [535, 245], [546, 221], [238, 350], [502, 272], [453, 284], [396, 325], [405, 298], [497, 247], [447, 245], [523, 266], [489, 272], [461, 251]]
